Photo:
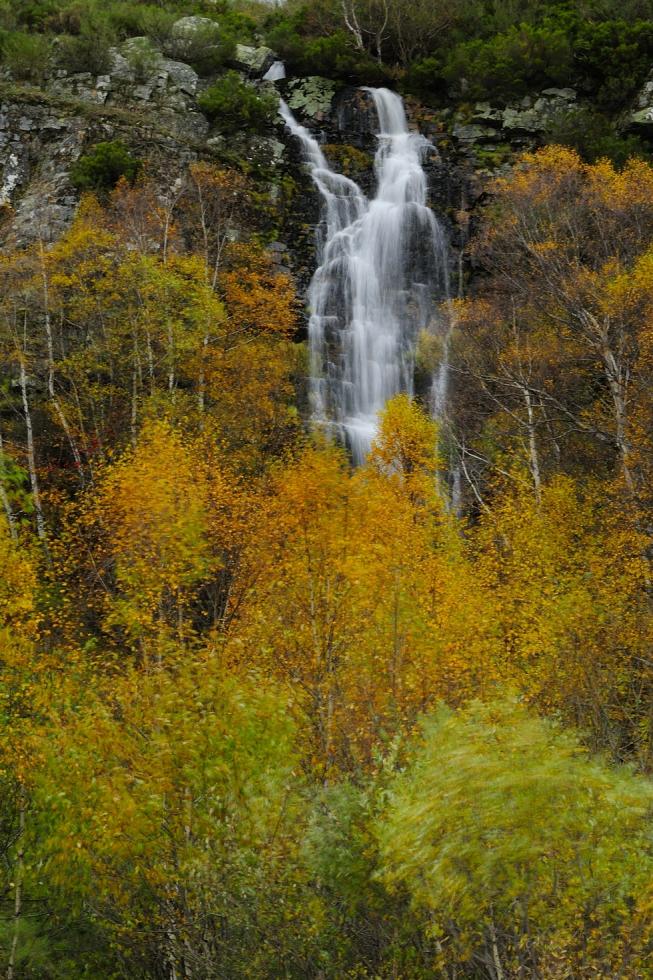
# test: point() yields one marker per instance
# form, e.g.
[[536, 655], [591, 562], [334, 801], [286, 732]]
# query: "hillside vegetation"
[[266, 715]]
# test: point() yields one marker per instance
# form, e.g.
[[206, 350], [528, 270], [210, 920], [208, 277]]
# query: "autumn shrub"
[[236, 106], [103, 166], [181, 783]]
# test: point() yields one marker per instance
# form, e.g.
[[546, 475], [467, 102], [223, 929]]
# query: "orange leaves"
[[259, 298], [18, 584], [407, 439], [569, 578], [361, 595], [153, 506]]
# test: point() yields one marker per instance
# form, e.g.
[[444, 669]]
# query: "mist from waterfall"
[[382, 274]]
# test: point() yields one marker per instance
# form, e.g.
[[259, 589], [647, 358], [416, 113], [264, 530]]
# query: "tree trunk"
[[532, 444], [47, 320], [18, 888], [31, 459]]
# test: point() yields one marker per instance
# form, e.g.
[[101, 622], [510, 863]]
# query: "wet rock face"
[[149, 100], [37, 146]]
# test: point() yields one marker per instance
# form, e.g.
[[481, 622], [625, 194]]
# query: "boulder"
[[567, 94], [189, 28], [640, 119], [190, 35], [180, 76], [485, 113], [255, 61], [528, 121]]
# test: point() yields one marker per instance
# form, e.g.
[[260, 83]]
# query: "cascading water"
[[382, 272]]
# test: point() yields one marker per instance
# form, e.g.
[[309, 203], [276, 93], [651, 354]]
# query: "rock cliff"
[[152, 106]]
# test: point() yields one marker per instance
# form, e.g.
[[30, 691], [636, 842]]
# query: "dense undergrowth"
[[265, 716], [498, 49]]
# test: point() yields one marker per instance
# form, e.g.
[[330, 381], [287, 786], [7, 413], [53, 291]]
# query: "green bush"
[[424, 79], [156, 24], [508, 66], [237, 106], [513, 843], [88, 51], [26, 55], [102, 168], [35, 14], [593, 136], [613, 59], [130, 20], [142, 57], [7, 18], [309, 47], [206, 49]]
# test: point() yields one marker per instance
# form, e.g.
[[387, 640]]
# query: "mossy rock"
[[312, 96], [347, 160]]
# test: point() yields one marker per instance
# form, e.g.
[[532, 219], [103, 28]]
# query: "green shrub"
[[237, 106], [69, 19], [7, 17], [593, 136], [508, 66], [613, 59], [35, 14], [26, 55], [311, 47], [507, 835], [88, 51], [206, 49], [102, 168], [142, 57], [131, 20], [424, 79], [156, 24]]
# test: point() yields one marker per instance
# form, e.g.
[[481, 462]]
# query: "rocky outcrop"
[[518, 124], [41, 137], [149, 100], [166, 86]]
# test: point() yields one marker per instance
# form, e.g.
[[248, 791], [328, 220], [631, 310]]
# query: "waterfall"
[[382, 272], [275, 73]]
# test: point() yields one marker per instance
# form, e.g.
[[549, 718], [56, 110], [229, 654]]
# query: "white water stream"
[[382, 273]]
